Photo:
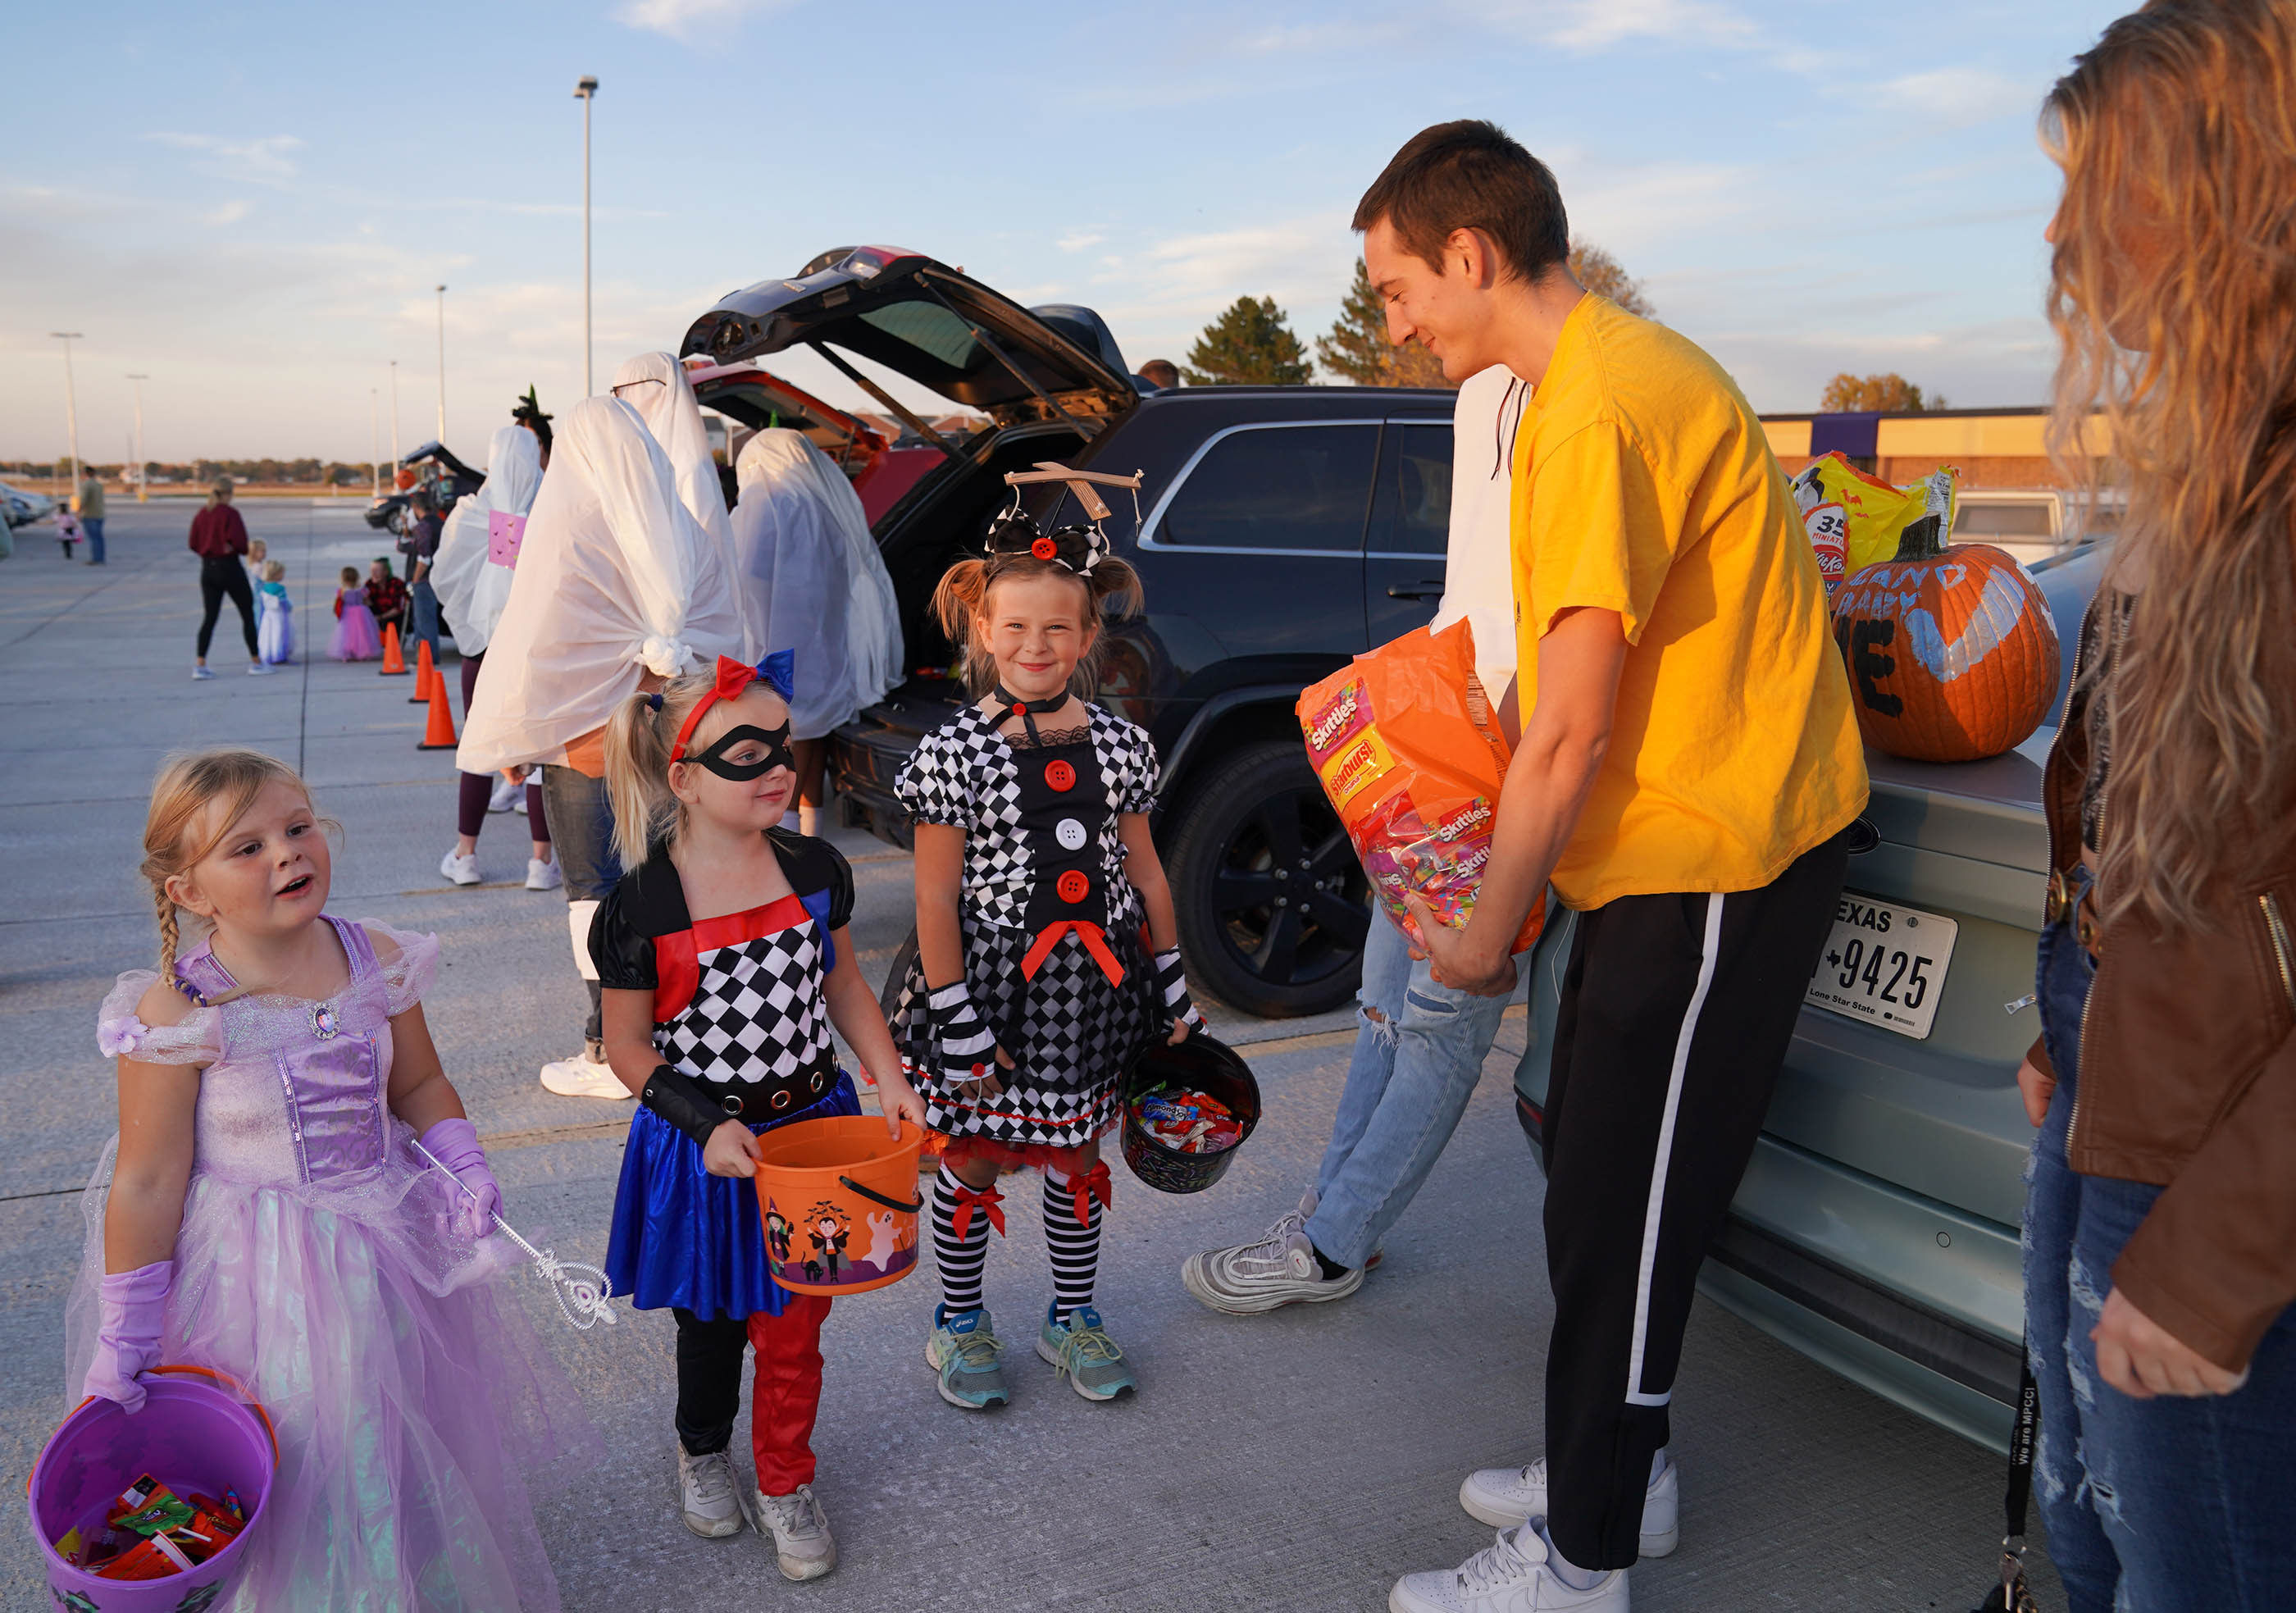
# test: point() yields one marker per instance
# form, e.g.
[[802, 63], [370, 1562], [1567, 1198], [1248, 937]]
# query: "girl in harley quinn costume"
[[1031, 989], [722, 961]]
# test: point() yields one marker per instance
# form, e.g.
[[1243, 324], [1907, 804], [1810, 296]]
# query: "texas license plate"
[[1884, 964]]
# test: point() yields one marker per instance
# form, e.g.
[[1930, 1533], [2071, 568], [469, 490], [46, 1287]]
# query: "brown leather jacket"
[[2188, 1082]]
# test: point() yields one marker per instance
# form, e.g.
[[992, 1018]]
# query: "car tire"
[[1273, 906]]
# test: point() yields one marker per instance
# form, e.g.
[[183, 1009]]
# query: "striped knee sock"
[[1074, 1246], [961, 1255]]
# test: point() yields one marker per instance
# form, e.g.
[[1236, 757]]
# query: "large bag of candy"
[[1413, 773], [1856, 520]]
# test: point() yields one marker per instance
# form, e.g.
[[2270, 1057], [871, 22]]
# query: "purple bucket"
[[194, 1433]]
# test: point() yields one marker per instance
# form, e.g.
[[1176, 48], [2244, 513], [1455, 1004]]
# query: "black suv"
[[1284, 529]]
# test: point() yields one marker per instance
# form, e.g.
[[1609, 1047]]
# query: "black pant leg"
[[210, 604], [1683, 1009], [234, 584], [709, 1379]]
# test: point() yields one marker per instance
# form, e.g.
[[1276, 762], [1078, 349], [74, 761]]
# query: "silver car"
[[23, 507], [1876, 1228]]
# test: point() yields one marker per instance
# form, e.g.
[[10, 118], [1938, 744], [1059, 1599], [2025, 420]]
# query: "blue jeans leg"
[[581, 827], [1407, 1085], [425, 604], [95, 531]]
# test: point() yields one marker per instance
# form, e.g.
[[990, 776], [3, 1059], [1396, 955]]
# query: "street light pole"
[[586, 91], [442, 366], [394, 419], [142, 491], [72, 408], [375, 440]]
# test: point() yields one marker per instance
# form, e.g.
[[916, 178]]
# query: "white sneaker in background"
[[1510, 1576], [462, 870], [519, 805], [542, 876], [802, 1543], [580, 1076], [1504, 1497], [259, 669], [706, 1495], [505, 792], [201, 675]]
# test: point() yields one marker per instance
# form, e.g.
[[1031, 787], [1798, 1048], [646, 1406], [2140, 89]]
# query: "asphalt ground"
[[1298, 1461]]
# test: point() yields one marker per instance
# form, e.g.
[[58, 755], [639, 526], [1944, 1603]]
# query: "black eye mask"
[[777, 741]]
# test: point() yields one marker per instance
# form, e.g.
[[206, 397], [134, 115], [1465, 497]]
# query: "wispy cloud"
[[681, 19], [1956, 97], [265, 160], [1079, 240], [230, 212]]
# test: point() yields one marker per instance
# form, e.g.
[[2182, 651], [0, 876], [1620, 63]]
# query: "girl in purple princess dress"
[[263, 1212]]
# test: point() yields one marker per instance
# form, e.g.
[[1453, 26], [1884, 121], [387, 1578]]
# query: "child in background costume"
[[275, 637], [263, 1212], [1032, 989], [723, 959], [356, 637]]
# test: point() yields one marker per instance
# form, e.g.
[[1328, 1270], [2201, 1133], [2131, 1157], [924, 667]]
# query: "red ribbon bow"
[[1088, 1185], [1096, 942], [986, 1200], [732, 677]]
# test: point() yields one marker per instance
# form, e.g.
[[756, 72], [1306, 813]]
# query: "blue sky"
[[251, 203]]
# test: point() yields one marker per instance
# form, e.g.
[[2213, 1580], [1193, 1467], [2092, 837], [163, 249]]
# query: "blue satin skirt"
[[683, 1237]]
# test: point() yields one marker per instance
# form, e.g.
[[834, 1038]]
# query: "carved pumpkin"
[[1952, 653]]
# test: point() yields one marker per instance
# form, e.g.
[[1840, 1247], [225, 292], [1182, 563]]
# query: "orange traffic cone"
[[426, 674], [439, 734], [394, 662]]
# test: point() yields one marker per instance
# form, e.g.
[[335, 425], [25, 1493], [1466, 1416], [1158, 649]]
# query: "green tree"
[[1357, 349], [1891, 393], [1250, 345], [1600, 273]]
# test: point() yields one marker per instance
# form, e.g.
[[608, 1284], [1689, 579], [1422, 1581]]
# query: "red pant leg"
[[786, 1394]]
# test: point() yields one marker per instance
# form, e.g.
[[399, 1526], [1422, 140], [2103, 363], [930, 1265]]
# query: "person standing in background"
[[1160, 374], [219, 538], [421, 546], [89, 506]]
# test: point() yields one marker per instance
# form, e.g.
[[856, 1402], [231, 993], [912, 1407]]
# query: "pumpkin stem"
[[1923, 539]]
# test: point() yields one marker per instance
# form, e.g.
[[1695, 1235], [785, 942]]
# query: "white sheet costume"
[[813, 581], [472, 590], [616, 577], [654, 384]]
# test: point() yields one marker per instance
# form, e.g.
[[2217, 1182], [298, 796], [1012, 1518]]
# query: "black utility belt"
[[756, 1100]]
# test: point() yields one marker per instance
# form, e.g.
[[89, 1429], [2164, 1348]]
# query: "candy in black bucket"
[[1187, 1107]]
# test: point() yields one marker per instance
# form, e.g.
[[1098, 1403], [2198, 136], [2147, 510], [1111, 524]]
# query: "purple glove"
[[135, 1313], [456, 1144]]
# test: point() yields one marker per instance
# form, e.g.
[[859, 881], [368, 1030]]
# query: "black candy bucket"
[[1207, 1065]]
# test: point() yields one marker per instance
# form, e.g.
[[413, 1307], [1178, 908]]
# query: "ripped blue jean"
[[1413, 1069], [2166, 1505]]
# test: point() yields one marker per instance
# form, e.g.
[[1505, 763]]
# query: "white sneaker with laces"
[[260, 669], [1252, 1278], [1504, 1497], [201, 675], [542, 876], [462, 870], [1510, 1576], [505, 792], [802, 1543], [581, 1077], [706, 1495]]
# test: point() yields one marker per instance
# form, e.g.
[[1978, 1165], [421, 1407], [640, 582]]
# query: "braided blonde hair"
[[190, 782]]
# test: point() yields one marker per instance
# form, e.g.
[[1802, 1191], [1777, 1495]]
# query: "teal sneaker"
[[1081, 1348], [968, 1357]]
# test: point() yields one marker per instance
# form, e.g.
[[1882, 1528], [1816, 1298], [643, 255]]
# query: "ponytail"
[[639, 737]]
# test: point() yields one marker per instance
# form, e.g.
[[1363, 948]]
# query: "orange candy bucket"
[[839, 1201]]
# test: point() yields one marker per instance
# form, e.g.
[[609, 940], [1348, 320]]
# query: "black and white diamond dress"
[[1054, 958]]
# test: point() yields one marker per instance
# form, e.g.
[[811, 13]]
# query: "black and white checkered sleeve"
[[934, 787], [1141, 766]]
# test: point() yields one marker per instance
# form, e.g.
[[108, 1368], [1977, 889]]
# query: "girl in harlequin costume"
[[723, 959], [1032, 987], [264, 1212]]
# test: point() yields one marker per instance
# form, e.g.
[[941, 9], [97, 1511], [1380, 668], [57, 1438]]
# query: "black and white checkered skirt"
[[1069, 1031]]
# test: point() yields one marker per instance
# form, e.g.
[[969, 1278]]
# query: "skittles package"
[[1856, 520], [1413, 772]]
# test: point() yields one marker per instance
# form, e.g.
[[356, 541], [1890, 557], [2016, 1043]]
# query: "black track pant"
[[1675, 1015], [218, 579]]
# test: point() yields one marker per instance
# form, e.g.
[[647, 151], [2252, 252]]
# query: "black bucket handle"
[[876, 1197]]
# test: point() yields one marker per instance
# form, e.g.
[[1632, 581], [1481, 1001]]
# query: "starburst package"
[[1413, 773]]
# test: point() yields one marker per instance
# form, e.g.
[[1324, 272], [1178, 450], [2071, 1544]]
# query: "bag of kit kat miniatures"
[[1413, 764]]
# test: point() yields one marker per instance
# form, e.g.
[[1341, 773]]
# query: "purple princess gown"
[[318, 1265]]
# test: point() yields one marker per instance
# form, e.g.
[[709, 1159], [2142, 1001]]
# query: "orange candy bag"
[[1413, 775]]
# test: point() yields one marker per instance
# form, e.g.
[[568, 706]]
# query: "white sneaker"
[[802, 1543], [1504, 1497], [1281, 1269], [542, 876], [505, 792], [260, 669], [519, 805], [580, 1076], [706, 1495], [462, 870], [201, 675], [1510, 1576]]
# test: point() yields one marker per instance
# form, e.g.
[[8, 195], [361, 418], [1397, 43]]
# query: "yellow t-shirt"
[[1643, 485]]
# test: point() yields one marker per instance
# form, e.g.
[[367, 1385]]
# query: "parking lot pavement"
[[1298, 1461]]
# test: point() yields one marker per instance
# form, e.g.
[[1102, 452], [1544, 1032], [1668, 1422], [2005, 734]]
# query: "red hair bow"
[[732, 677]]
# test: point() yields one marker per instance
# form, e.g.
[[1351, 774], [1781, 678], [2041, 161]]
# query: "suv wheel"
[[1273, 905]]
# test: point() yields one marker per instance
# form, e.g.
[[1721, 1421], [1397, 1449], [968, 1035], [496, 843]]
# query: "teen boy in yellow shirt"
[[1687, 764]]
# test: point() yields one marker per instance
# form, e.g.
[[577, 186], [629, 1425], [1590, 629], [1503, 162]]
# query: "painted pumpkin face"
[[1952, 656]]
